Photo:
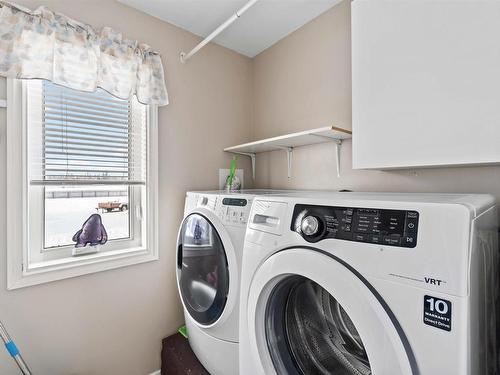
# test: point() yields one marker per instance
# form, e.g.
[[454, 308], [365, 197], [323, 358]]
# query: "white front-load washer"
[[209, 252], [362, 283]]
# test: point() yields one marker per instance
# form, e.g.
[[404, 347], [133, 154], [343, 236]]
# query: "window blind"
[[86, 138]]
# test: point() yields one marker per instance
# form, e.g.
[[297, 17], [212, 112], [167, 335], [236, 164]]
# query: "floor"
[[177, 358]]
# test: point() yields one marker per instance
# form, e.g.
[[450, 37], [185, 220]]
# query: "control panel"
[[233, 210], [371, 225]]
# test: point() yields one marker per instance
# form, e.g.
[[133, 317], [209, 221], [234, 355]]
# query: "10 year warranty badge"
[[437, 312]]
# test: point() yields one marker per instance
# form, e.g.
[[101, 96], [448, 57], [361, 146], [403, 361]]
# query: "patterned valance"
[[47, 45]]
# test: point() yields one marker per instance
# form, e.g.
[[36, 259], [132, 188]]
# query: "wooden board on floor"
[[177, 358]]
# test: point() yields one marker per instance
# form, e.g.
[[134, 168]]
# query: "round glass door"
[[202, 269], [309, 333]]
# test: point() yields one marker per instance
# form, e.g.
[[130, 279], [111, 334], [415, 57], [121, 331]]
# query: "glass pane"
[[67, 208], [204, 277], [320, 338]]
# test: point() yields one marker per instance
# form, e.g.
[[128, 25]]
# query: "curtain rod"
[[186, 56]]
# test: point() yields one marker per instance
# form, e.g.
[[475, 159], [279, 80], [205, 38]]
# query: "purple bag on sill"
[[92, 233]]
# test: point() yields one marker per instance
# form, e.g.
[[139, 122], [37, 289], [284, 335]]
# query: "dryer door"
[[202, 269], [311, 314]]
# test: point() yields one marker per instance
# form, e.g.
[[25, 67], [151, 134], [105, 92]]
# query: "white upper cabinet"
[[426, 83]]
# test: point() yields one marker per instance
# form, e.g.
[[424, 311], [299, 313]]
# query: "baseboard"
[[156, 373]]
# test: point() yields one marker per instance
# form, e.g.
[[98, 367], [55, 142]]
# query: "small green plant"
[[232, 171]]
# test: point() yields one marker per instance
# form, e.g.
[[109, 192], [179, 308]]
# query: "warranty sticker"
[[437, 312]]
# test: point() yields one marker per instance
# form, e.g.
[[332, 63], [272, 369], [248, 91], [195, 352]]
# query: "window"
[[79, 154]]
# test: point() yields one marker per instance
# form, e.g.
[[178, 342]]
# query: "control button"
[[390, 240], [347, 212], [346, 228], [411, 224], [412, 214], [367, 211], [359, 237], [409, 240], [375, 238], [362, 228], [332, 232], [347, 219], [309, 225]]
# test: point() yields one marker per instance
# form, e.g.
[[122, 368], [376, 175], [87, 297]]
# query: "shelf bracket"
[[289, 154], [338, 143], [251, 155]]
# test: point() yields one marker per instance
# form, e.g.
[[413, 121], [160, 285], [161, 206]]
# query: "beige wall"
[[113, 322], [303, 82]]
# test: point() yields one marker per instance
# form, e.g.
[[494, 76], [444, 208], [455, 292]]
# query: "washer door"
[[311, 314], [202, 269], [309, 332]]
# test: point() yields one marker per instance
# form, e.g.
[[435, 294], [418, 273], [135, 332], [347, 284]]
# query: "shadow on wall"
[[314, 168]]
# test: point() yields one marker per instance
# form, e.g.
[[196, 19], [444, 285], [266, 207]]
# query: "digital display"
[[234, 202]]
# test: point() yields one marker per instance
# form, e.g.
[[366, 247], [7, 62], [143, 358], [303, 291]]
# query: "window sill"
[[60, 269], [51, 265]]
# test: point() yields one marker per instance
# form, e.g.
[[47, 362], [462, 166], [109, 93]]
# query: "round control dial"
[[309, 225]]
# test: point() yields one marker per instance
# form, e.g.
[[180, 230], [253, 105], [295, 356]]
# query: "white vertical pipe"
[[289, 154], [185, 57], [338, 143]]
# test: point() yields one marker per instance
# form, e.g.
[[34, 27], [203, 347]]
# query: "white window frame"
[[19, 272]]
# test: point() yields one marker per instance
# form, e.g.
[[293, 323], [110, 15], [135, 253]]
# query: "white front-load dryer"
[[209, 252], [360, 283]]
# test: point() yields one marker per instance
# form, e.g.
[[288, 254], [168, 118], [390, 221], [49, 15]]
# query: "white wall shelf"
[[288, 142]]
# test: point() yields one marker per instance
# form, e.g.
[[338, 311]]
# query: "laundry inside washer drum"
[[319, 336]]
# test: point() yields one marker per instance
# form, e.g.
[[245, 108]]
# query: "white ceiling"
[[259, 28]]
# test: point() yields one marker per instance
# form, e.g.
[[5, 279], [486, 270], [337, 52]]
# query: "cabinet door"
[[426, 83]]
